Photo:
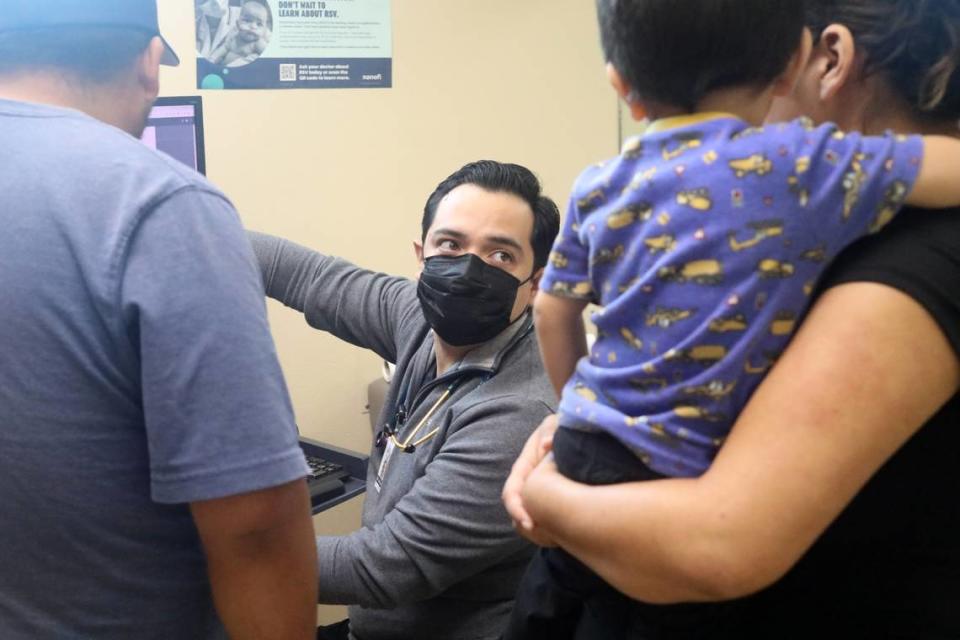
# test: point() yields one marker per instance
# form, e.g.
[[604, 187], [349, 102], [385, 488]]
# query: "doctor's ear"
[[418, 251]]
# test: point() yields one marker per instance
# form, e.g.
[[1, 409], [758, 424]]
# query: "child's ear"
[[840, 60], [637, 112], [786, 83]]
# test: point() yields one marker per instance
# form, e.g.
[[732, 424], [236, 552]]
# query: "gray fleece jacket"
[[437, 557]]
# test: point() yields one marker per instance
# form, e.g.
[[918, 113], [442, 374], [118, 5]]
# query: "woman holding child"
[[832, 508]]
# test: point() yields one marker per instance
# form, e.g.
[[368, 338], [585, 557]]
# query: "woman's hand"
[[534, 451]]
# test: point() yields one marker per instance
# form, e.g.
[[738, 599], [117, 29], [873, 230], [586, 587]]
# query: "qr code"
[[288, 73]]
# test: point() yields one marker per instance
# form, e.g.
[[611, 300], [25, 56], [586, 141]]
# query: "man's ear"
[[837, 60], [637, 112], [148, 69], [418, 251], [535, 281]]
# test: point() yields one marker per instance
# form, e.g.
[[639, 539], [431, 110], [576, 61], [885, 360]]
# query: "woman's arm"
[[866, 370]]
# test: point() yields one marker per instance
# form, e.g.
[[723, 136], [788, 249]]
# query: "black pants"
[[551, 596], [337, 631]]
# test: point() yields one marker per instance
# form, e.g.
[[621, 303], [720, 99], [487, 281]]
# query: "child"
[[702, 243], [249, 37]]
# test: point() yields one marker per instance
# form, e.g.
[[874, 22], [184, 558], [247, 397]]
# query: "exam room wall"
[[347, 171]]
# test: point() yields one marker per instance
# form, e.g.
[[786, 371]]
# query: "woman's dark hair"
[[676, 51], [499, 177], [915, 44]]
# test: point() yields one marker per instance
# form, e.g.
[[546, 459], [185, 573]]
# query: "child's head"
[[254, 22], [674, 52]]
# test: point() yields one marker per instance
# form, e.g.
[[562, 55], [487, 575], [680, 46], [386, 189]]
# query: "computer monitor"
[[175, 126]]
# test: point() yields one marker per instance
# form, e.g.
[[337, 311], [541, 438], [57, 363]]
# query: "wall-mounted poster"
[[293, 44]]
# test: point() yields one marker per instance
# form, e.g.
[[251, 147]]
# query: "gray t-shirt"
[[137, 374]]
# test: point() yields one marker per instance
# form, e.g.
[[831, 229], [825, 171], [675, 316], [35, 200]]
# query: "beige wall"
[[348, 171]]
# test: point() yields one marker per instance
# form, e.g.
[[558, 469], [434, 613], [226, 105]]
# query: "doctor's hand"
[[534, 451]]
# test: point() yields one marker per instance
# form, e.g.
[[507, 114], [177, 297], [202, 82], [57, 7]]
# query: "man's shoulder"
[[519, 386], [85, 153]]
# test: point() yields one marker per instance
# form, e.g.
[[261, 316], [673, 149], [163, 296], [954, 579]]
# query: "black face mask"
[[465, 300]]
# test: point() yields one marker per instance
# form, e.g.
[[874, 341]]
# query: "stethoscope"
[[409, 445]]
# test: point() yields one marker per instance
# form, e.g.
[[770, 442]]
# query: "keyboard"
[[325, 479]]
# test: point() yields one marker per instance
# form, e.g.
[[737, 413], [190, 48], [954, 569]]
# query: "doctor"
[[437, 557]]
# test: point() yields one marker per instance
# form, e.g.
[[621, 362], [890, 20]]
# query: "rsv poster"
[[293, 44]]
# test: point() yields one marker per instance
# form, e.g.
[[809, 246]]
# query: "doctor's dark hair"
[[498, 177], [674, 52], [87, 54], [913, 44]]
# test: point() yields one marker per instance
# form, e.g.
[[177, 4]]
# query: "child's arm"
[[938, 181], [560, 332]]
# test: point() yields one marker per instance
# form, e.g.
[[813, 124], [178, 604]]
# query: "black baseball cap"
[[16, 15]]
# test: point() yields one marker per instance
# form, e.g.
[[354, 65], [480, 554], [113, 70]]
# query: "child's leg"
[[550, 598]]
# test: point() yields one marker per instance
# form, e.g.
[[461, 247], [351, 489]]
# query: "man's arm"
[[450, 526], [362, 307], [261, 561], [865, 371], [560, 333], [218, 422]]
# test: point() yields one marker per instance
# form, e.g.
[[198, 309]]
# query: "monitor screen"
[[175, 126]]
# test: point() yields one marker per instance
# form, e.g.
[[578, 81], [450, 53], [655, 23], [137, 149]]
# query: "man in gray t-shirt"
[[151, 483]]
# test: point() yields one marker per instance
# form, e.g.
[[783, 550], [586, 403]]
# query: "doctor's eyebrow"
[[500, 241]]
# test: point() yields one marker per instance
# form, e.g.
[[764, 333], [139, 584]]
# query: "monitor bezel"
[[197, 103]]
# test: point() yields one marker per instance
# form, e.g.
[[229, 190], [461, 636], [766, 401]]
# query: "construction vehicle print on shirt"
[[558, 260], [665, 318], [585, 392], [640, 179], [714, 390], [801, 192], [629, 284], [746, 133], [698, 199], [762, 230], [608, 255], [575, 289], [783, 324], [701, 272], [771, 268], [648, 385], [704, 354], [679, 145], [632, 148], [659, 431], [757, 163], [817, 254], [729, 324], [853, 183], [591, 201], [691, 412], [631, 339], [629, 215], [892, 200], [661, 244], [760, 364]]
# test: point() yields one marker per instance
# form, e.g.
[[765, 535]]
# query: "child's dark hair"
[[914, 43], [674, 52]]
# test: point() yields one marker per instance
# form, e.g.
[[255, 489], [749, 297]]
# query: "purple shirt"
[[702, 243]]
